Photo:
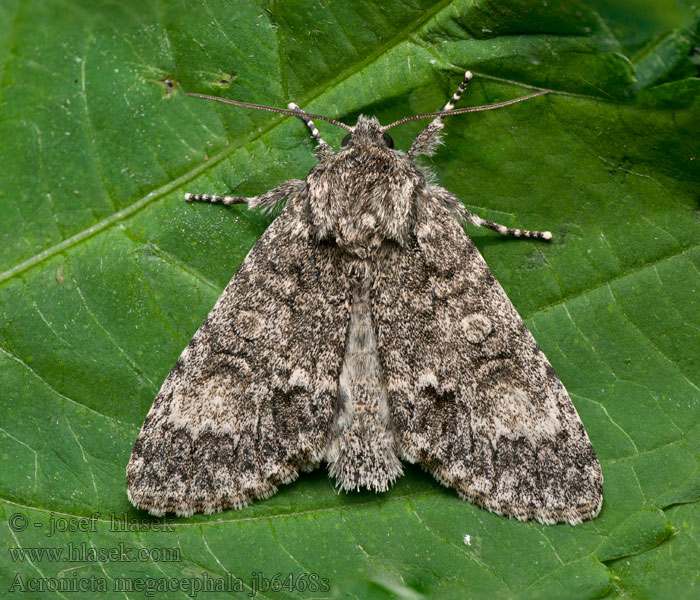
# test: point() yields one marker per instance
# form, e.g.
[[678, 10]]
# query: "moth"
[[362, 329]]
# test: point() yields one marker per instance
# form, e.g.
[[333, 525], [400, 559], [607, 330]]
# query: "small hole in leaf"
[[224, 80], [168, 86], [58, 276]]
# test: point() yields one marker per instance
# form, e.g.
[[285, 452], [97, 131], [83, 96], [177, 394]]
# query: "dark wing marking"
[[252, 397], [472, 396]]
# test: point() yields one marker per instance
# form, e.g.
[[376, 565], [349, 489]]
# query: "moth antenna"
[[460, 111], [323, 147], [283, 111]]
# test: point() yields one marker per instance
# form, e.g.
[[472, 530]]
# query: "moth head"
[[367, 132]]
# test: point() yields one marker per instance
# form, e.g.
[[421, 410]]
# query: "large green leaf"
[[106, 273]]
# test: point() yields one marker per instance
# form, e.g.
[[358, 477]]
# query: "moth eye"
[[388, 142], [345, 141]]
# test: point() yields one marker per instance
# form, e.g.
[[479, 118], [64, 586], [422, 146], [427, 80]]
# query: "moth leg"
[[459, 212], [323, 147], [429, 138], [215, 199], [503, 230], [267, 200]]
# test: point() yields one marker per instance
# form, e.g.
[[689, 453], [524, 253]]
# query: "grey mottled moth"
[[364, 327]]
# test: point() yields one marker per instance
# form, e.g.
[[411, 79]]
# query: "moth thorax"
[[363, 196], [358, 271]]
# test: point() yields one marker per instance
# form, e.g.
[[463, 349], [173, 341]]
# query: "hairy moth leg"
[[459, 211], [323, 147], [266, 201]]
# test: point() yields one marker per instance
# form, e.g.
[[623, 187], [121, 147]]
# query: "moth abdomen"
[[361, 449]]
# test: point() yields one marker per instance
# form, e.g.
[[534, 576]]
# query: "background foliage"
[[105, 273]]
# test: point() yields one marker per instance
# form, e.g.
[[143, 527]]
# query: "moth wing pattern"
[[250, 400], [472, 396]]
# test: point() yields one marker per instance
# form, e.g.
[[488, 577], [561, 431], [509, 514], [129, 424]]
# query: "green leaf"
[[640, 531], [664, 572], [105, 274]]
